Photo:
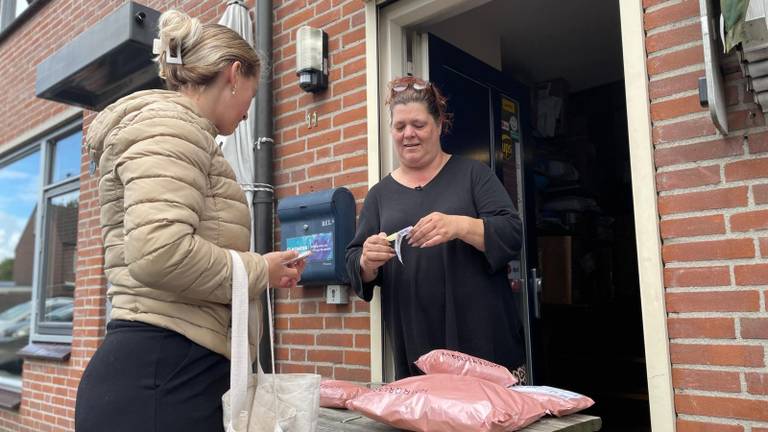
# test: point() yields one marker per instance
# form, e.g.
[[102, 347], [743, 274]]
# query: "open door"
[[491, 115]]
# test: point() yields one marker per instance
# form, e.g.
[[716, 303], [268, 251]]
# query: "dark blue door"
[[491, 117]]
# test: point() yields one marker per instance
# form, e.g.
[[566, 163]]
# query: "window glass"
[[60, 252], [66, 157], [20, 181]]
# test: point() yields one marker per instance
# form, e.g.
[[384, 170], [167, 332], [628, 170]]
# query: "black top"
[[452, 295]]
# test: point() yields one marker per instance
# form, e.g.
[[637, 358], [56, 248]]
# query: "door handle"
[[537, 284]]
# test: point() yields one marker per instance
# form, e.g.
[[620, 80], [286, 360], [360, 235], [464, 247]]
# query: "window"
[[38, 245], [12, 9]]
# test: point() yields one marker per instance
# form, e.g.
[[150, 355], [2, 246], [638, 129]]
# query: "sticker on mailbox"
[[321, 246]]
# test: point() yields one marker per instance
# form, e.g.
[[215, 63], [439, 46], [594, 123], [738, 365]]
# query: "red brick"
[[714, 328], [754, 328], [687, 178], [692, 226], [714, 301], [352, 374], [345, 55], [745, 119], [297, 19], [709, 250], [699, 152], [298, 354], [675, 108], [306, 323], [717, 355], [288, 8], [309, 308], [324, 169], [323, 139], [693, 128], [673, 37], [360, 358], [757, 142], [757, 383], [286, 308], [727, 407], [296, 368], [756, 274], [298, 160], [697, 426], [675, 84], [760, 193], [357, 323], [355, 131], [764, 247], [706, 200], [325, 19], [362, 341], [670, 14], [315, 185], [749, 221], [333, 322], [350, 146], [325, 356], [335, 308], [697, 277], [297, 339], [336, 340], [746, 169], [693, 379], [675, 60]]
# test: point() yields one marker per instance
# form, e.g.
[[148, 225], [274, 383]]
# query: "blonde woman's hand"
[[376, 252], [282, 275]]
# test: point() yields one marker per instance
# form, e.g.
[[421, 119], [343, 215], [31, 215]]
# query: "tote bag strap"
[[240, 365]]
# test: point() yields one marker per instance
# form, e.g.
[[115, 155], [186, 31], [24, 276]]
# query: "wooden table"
[[333, 420]]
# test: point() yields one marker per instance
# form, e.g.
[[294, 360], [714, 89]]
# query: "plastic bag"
[[557, 402], [335, 394], [457, 363], [448, 403]]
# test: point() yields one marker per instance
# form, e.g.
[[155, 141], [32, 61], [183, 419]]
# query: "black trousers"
[[148, 379]]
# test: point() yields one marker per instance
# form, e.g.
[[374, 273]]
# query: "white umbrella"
[[238, 147]]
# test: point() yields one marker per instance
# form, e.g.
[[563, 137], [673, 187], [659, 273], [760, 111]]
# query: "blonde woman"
[[170, 210]]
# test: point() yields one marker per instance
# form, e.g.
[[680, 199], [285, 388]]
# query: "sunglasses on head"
[[416, 85]]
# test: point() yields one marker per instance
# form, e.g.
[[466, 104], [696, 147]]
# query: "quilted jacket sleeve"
[[164, 172]]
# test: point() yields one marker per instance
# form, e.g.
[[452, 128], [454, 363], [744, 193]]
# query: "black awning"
[[110, 60]]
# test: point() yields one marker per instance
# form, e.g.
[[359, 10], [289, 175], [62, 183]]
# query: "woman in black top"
[[451, 289]]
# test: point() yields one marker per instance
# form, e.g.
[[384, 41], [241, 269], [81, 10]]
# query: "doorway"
[[568, 169]]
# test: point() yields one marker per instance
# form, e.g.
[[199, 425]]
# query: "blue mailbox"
[[322, 222]]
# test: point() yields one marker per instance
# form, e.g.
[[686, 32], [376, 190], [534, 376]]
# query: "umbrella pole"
[[264, 196]]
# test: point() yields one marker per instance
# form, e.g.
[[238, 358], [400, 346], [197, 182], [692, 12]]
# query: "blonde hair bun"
[[205, 50]]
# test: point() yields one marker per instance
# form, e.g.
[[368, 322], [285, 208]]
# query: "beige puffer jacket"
[[170, 209]]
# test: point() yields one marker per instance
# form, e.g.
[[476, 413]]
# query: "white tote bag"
[[263, 402]]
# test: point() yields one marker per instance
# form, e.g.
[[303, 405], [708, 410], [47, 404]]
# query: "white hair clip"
[[174, 58]]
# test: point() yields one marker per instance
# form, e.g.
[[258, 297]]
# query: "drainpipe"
[[263, 201]]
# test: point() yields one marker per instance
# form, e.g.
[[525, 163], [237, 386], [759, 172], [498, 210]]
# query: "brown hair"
[[205, 49], [409, 89]]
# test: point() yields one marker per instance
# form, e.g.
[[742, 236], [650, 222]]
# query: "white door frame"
[[385, 60]]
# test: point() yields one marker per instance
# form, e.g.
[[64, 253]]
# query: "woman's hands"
[[437, 228], [282, 275], [376, 252]]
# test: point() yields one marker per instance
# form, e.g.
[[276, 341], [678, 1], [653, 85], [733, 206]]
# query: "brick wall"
[[332, 340], [49, 388], [713, 208]]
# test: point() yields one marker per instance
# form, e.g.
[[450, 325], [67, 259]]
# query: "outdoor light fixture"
[[312, 59]]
